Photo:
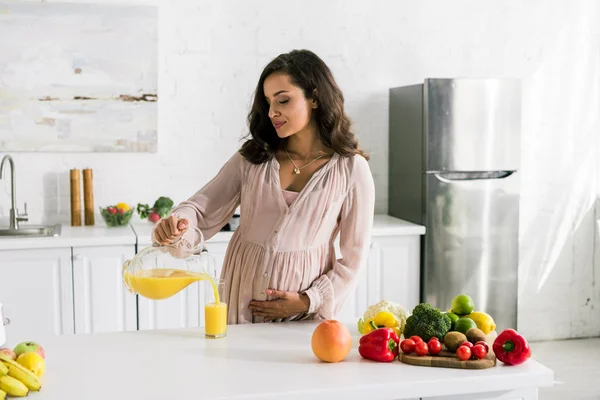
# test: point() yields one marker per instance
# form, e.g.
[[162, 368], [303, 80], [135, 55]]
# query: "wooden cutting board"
[[447, 359]]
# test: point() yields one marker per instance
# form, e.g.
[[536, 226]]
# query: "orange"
[[331, 341]]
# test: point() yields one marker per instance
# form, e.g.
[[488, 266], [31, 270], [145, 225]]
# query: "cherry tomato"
[[479, 351], [435, 347], [416, 339], [463, 353], [421, 348], [407, 346], [434, 338], [467, 343], [484, 344]]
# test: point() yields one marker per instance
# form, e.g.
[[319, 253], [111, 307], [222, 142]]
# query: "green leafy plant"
[[161, 208], [114, 216]]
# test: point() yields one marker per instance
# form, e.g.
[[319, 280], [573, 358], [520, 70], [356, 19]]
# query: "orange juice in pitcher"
[[159, 272]]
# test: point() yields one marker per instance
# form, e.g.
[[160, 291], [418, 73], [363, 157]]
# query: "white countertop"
[[254, 361], [101, 235], [97, 235], [386, 225]]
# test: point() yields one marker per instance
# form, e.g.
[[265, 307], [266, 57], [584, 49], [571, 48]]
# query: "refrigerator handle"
[[450, 177]]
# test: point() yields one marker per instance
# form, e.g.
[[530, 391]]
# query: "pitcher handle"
[[124, 277], [200, 247]]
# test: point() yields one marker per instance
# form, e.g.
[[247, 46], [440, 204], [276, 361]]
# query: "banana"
[[17, 371], [2, 395], [13, 386], [3, 371]]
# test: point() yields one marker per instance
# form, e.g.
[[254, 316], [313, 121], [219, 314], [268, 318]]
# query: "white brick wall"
[[210, 57]]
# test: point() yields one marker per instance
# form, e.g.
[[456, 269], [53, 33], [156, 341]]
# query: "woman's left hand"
[[285, 305]]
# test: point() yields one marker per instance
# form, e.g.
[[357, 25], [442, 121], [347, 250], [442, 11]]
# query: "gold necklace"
[[296, 168]]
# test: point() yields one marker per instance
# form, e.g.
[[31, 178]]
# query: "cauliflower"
[[384, 305]]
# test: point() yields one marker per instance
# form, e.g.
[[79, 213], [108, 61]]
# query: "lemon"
[[484, 321], [33, 362], [123, 206]]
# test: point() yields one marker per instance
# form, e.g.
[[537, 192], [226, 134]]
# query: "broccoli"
[[162, 207], [427, 322]]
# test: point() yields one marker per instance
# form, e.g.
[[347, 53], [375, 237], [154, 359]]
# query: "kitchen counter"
[[101, 235], [72, 236], [254, 361], [386, 225]]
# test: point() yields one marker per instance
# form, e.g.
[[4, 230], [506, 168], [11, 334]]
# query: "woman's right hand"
[[170, 228]]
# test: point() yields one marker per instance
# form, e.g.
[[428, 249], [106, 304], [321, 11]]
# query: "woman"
[[300, 180]]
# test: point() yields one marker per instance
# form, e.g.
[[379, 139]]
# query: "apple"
[[153, 216], [8, 352], [25, 347]]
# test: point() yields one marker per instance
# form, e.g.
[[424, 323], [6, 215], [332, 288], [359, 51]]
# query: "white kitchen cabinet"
[[101, 301], [394, 270], [185, 309], [74, 283], [391, 273], [37, 293]]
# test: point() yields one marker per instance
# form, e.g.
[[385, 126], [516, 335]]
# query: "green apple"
[[25, 347]]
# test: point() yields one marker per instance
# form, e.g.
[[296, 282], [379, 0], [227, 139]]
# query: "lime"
[[453, 319], [462, 325], [462, 305]]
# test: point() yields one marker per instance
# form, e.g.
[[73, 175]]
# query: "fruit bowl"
[[116, 216]]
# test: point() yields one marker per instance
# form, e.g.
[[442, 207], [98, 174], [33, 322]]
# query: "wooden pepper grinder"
[[75, 197], [88, 196]]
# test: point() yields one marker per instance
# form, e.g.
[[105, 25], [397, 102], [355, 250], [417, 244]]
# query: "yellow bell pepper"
[[383, 319]]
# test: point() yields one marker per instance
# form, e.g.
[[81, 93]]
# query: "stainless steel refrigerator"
[[454, 153]]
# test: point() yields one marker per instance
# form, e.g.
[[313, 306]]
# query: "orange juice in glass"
[[215, 311]]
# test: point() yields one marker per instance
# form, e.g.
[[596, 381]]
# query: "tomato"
[[435, 347], [407, 346], [467, 343], [484, 344], [479, 351], [416, 339], [421, 348], [434, 338], [463, 353]]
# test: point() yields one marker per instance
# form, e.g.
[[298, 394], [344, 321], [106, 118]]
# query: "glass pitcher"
[[158, 272]]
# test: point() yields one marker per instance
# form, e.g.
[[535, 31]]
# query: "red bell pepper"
[[379, 345], [511, 348]]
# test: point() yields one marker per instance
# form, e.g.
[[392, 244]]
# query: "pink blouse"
[[289, 196], [283, 243]]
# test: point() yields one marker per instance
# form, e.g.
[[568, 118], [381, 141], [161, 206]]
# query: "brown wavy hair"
[[307, 71]]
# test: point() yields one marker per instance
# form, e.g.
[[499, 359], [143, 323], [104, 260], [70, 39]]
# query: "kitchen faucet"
[[15, 217]]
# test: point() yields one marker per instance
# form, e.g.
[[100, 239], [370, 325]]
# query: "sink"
[[31, 231]]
